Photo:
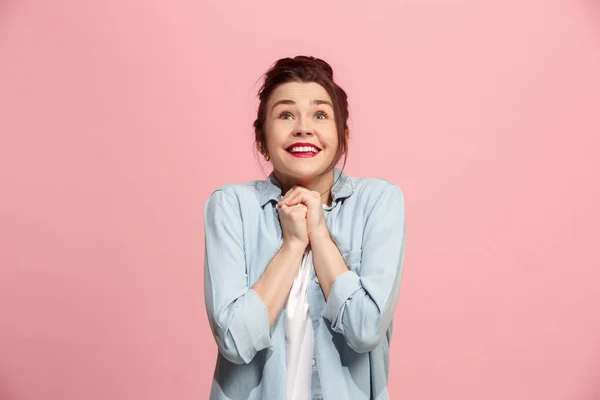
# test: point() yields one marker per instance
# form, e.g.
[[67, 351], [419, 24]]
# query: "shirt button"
[[317, 281], [313, 362]]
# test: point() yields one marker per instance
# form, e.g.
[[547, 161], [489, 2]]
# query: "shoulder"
[[377, 198], [374, 190], [236, 190], [235, 194]]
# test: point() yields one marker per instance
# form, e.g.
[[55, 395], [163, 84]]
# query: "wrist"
[[319, 235], [294, 246]]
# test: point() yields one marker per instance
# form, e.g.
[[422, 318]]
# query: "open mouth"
[[303, 150]]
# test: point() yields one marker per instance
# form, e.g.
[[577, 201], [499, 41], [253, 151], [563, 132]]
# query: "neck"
[[321, 184]]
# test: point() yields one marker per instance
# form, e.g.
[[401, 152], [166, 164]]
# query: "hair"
[[304, 69]]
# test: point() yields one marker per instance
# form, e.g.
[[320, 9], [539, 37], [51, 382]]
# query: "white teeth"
[[303, 149]]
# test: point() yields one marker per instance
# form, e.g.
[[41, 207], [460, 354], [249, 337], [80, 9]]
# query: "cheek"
[[278, 129], [332, 138], [273, 135]]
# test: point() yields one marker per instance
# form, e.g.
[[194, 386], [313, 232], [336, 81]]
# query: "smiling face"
[[300, 131]]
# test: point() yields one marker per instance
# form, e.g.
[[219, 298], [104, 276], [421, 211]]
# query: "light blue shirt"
[[352, 328]]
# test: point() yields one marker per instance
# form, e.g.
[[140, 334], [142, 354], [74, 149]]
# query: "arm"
[[361, 307], [240, 317], [275, 284], [328, 261]]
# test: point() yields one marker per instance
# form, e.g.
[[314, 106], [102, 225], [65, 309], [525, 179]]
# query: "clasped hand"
[[302, 216]]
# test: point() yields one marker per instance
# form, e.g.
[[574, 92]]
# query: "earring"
[[267, 157]]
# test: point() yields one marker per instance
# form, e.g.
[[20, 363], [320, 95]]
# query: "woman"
[[302, 270]]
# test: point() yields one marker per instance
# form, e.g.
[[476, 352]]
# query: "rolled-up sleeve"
[[361, 307], [238, 318]]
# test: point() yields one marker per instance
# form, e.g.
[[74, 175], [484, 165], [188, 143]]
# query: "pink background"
[[119, 118]]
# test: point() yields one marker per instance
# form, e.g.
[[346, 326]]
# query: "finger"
[[292, 201], [300, 210], [292, 193], [286, 196], [294, 187], [302, 196], [283, 199], [289, 193], [292, 210]]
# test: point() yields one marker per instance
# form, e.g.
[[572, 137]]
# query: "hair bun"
[[322, 64]]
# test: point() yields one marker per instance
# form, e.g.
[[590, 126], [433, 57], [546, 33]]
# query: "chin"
[[305, 173]]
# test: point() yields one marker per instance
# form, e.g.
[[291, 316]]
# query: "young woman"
[[302, 270]]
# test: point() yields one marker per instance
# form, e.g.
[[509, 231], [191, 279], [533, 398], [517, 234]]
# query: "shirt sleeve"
[[238, 318], [361, 307]]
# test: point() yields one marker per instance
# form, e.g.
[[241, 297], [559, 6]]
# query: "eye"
[[285, 115], [321, 115]]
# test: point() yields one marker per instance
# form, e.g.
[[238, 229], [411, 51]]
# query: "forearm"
[[361, 307], [328, 261], [273, 287]]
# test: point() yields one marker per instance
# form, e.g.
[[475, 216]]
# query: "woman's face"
[[300, 130]]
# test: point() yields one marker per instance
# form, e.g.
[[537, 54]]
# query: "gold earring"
[[267, 157]]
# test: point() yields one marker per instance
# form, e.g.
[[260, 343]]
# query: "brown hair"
[[304, 69]]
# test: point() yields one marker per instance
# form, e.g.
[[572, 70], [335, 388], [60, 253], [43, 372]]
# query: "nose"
[[303, 127]]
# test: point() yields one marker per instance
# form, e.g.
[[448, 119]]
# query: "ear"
[[259, 145], [346, 137]]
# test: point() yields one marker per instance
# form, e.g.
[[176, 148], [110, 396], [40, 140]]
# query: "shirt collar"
[[270, 189]]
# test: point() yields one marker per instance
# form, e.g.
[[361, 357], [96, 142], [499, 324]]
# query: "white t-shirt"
[[299, 333]]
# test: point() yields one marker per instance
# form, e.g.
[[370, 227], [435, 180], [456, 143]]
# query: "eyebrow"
[[291, 102]]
